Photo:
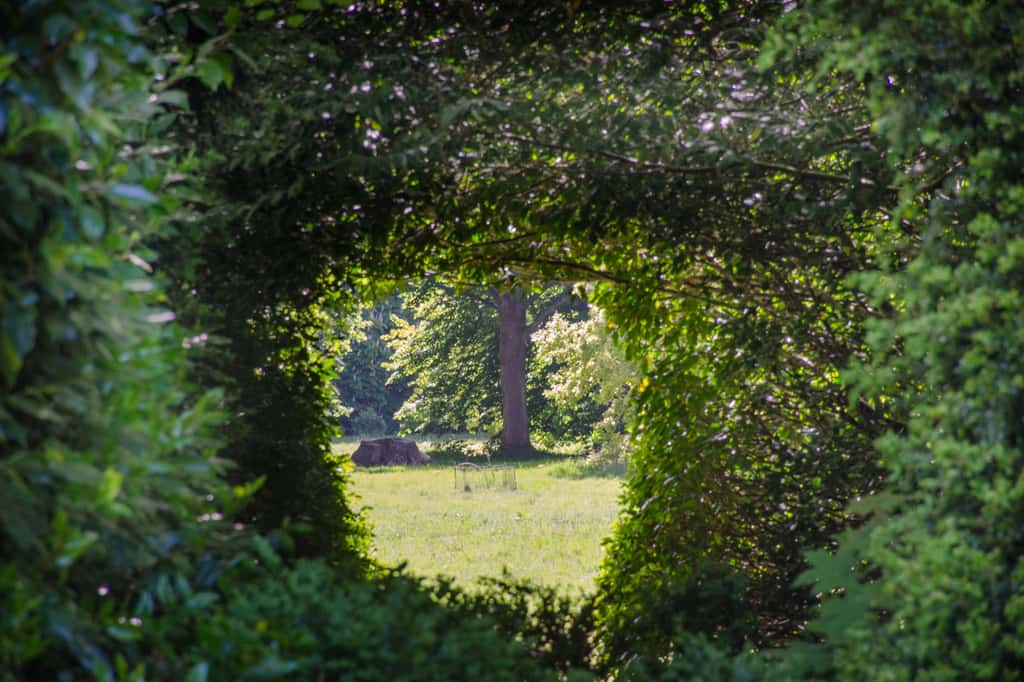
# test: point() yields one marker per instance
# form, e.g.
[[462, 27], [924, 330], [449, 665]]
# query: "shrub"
[[557, 628], [672, 609], [304, 621], [942, 598], [696, 658], [107, 474]]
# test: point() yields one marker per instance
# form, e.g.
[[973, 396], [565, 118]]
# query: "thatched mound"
[[389, 452]]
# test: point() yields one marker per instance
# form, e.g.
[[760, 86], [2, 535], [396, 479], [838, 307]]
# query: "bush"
[[558, 629], [942, 598], [672, 609], [305, 622], [694, 658], [107, 474]]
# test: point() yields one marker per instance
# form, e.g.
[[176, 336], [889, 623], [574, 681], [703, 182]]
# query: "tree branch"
[[542, 316], [619, 158], [648, 166]]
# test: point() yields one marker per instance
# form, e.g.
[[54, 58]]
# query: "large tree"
[[465, 354]]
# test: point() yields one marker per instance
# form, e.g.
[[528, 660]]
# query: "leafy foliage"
[[108, 481], [855, 201], [274, 347], [558, 628], [580, 362], [708, 602], [949, 548], [305, 621], [364, 385], [722, 221], [448, 352], [693, 657]]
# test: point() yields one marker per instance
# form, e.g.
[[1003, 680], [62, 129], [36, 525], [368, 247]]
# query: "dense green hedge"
[[944, 84], [108, 480], [117, 559]]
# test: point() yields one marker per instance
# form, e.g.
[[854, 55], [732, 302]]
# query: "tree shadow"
[[581, 467]]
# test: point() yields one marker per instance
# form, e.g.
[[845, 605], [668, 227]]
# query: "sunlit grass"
[[549, 530]]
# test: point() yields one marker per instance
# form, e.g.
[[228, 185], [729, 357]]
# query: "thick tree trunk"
[[513, 338]]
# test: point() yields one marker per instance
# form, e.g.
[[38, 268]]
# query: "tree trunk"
[[513, 338]]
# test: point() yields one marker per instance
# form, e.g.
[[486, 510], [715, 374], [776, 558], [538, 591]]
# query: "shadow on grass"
[[450, 457], [452, 449], [579, 468], [393, 469]]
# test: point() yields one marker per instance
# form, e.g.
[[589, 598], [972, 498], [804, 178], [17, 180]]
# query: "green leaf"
[[92, 222], [10, 361], [124, 634], [6, 60], [178, 98], [226, 67], [210, 72], [79, 472], [131, 193], [110, 486], [201, 601], [72, 549], [46, 184], [231, 17]]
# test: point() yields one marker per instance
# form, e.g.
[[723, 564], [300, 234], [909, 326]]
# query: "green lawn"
[[549, 530]]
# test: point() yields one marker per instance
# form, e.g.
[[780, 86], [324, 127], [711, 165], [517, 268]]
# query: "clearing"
[[548, 530]]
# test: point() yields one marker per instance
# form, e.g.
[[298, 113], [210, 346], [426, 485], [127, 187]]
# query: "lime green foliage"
[[549, 530], [448, 353], [585, 362]]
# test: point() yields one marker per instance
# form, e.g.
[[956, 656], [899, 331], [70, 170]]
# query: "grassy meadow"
[[549, 530]]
